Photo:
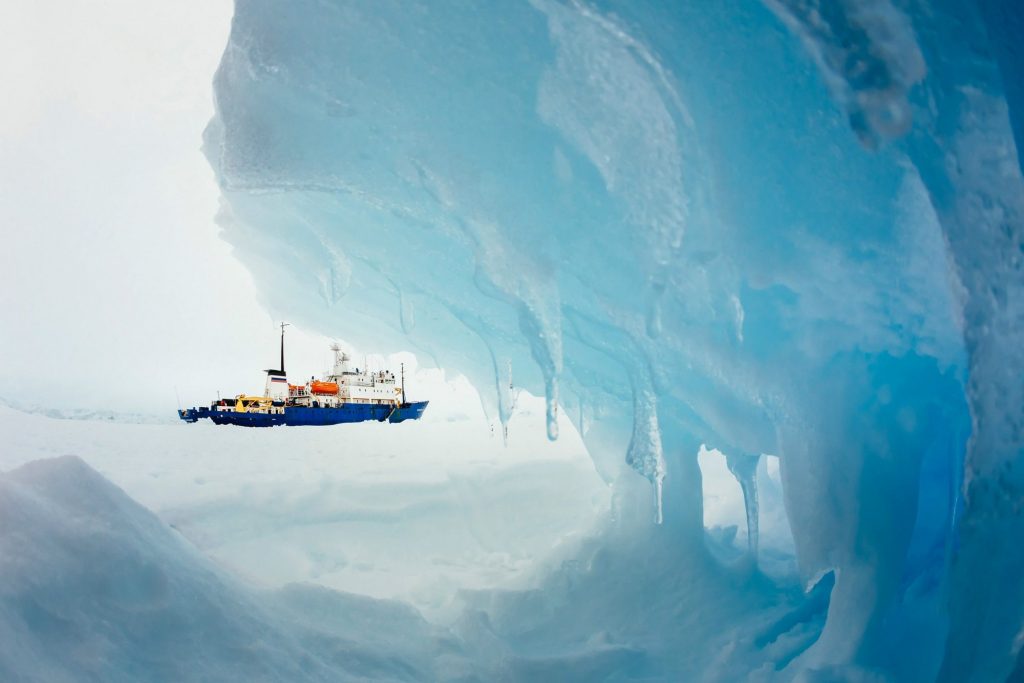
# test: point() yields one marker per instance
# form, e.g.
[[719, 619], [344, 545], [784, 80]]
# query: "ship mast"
[[403, 383], [283, 325]]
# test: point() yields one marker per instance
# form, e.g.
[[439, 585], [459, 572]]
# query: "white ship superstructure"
[[347, 385]]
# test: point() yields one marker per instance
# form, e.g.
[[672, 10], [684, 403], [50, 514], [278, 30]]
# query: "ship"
[[343, 395]]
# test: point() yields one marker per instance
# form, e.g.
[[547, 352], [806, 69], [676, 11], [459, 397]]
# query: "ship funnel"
[[277, 382]]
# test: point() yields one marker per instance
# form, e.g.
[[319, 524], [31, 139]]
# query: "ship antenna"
[[403, 382], [283, 325]]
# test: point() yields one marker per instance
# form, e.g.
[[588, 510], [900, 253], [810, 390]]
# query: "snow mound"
[[94, 586]]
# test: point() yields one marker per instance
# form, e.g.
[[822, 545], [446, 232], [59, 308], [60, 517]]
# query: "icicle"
[[546, 347], [744, 468], [511, 391], [506, 393], [582, 423], [544, 333], [506, 401], [551, 396], [645, 453]]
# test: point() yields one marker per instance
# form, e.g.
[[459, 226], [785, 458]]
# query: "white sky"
[[115, 288]]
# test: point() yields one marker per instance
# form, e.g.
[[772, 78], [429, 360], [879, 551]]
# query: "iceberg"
[[787, 227]]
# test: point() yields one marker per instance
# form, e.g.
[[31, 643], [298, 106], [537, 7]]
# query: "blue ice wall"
[[787, 227]]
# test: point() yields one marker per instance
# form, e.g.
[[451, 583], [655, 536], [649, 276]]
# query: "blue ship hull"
[[294, 416]]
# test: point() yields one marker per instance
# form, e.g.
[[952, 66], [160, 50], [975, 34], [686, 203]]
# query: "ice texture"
[[790, 227]]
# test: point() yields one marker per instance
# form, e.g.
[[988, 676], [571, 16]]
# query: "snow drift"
[[96, 587], [788, 227]]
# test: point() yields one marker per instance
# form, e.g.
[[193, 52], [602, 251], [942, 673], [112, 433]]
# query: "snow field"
[[414, 511]]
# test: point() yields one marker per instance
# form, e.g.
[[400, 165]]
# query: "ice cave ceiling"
[[789, 227]]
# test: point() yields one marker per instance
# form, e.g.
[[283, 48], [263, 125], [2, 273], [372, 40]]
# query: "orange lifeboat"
[[324, 387]]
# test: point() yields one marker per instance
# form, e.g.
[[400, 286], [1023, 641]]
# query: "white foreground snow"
[[96, 587]]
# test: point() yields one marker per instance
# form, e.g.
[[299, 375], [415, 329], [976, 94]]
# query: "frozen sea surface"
[[413, 511]]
